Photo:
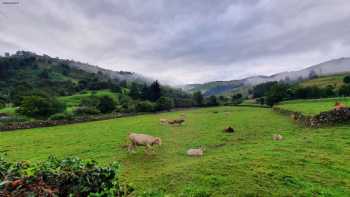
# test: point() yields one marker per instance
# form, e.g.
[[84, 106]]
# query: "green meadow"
[[307, 162], [313, 106]]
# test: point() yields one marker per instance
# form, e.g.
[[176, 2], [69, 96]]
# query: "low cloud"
[[181, 41]]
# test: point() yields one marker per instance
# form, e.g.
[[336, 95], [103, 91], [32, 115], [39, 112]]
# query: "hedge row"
[[331, 117]]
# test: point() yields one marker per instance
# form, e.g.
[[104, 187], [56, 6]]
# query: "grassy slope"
[[74, 100], [246, 162], [313, 106], [70, 101], [334, 80]]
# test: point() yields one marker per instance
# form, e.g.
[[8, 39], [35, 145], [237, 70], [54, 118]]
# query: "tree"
[[145, 106], [344, 90], [165, 103], [312, 74], [44, 74], [261, 89], [155, 91], [40, 107], [212, 101], [198, 99], [145, 92], [106, 104], [347, 79], [277, 93], [134, 91], [237, 99]]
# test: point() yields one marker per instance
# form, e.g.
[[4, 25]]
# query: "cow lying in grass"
[[339, 106], [142, 140], [195, 152], [176, 121], [277, 137], [163, 121], [229, 130]]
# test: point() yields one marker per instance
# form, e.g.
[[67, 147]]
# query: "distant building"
[[7, 54]]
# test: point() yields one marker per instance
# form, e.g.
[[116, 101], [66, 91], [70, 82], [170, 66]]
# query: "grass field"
[[334, 80], [74, 100], [313, 106], [308, 162]]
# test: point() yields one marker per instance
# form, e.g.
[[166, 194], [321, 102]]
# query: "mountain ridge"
[[334, 66]]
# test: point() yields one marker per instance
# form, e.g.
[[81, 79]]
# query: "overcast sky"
[[181, 41]]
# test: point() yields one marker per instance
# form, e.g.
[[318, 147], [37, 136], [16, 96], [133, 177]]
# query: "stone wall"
[[331, 117], [49, 123]]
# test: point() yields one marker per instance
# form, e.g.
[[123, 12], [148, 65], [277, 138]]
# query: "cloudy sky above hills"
[[181, 41]]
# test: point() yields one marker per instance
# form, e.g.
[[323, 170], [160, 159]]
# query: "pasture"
[[324, 81], [308, 162], [313, 106]]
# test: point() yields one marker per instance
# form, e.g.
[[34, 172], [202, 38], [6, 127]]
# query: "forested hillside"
[[38, 86]]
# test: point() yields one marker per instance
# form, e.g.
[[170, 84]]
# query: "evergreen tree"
[[198, 98], [155, 91], [134, 91]]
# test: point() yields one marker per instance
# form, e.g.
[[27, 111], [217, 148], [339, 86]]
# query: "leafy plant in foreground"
[[53, 177]]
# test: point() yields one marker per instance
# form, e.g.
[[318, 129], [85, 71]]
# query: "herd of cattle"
[[148, 141]]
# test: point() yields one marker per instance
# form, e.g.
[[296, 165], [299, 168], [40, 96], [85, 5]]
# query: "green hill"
[[324, 81]]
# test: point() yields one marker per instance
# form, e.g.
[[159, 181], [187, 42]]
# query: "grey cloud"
[[182, 41]]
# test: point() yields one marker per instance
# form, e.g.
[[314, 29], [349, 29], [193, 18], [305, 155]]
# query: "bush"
[[346, 80], [40, 107], [2, 103], [145, 106], [198, 99], [344, 90], [180, 102], [68, 177], [212, 101], [165, 103], [91, 101], [81, 111], [61, 116], [106, 104], [237, 99]]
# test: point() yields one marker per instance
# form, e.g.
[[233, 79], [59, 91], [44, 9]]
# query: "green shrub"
[[212, 101], [40, 106], [81, 111], [183, 103], [62, 116], [91, 101], [165, 103], [106, 105], [145, 106], [68, 177]]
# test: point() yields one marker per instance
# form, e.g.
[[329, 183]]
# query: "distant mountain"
[[331, 67]]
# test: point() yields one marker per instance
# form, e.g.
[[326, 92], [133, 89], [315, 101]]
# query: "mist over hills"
[[334, 66]]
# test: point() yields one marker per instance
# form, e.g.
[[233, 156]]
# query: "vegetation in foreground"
[[307, 162]]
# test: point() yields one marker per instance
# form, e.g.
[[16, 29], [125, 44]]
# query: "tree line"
[[274, 92]]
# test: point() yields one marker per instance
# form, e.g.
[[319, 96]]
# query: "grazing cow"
[[229, 130], [176, 121], [277, 137], [142, 140], [195, 152], [339, 106], [163, 121]]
